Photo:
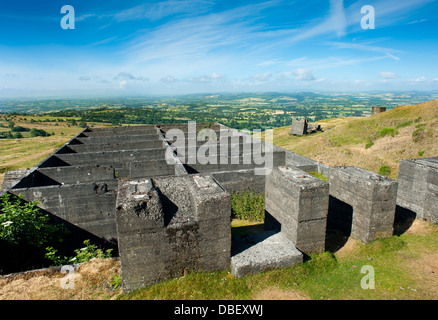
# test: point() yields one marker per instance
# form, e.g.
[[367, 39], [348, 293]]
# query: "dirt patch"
[[350, 246], [425, 274], [420, 227], [91, 280], [272, 293]]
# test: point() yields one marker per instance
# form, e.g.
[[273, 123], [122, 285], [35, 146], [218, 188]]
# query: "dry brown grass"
[[343, 140], [91, 281]]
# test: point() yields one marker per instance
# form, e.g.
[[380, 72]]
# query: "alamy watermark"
[[368, 280], [68, 281], [68, 21], [367, 21]]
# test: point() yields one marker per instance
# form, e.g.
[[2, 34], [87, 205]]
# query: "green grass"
[[248, 205], [323, 276], [319, 175]]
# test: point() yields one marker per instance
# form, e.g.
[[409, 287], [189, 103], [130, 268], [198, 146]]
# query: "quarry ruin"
[[170, 211]]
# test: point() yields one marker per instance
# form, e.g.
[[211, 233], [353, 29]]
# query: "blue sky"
[[198, 46]]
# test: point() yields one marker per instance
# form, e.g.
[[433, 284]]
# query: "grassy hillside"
[[28, 151], [405, 269], [405, 266], [404, 132]]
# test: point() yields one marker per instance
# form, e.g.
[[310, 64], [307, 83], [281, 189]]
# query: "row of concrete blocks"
[[167, 225]]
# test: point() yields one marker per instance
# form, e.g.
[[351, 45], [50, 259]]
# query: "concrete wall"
[[89, 206], [66, 175], [418, 187], [135, 145], [372, 197], [297, 204], [240, 180], [171, 224]]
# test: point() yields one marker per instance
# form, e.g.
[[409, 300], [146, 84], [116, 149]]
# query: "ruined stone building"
[[169, 209]]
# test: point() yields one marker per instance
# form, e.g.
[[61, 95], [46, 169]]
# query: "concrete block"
[[271, 250], [299, 202], [166, 225], [372, 197]]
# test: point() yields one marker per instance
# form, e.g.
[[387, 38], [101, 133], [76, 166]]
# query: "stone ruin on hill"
[[302, 127], [170, 211]]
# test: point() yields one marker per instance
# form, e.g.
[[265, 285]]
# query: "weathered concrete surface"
[[418, 187], [11, 178], [297, 202], [89, 206], [170, 224], [298, 127], [262, 251], [240, 180], [373, 198], [376, 110]]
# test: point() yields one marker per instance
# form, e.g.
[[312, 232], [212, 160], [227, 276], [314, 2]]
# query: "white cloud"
[[206, 78], [262, 76], [388, 75], [168, 79], [303, 74], [159, 10], [123, 84], [419, 79], [124, 76], [84, 78]]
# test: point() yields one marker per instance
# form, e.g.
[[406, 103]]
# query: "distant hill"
[[404, 132]]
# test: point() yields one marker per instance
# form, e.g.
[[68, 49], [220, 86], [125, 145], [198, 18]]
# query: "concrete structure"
[[11, 178], [372, 198], [169, 210], [171, 224], [376, 110], [418, 187], [296, 204], [298, 127], [302, 127], [262, 251]]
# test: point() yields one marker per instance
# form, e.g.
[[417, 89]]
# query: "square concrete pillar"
[[418, 187], [298, 202], [167, 225], [372, 197]]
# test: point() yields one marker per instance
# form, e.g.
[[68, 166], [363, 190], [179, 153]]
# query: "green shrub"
[[17, 135], [369, 144], [385, 170], [420, 153], [22, 223], [90, 251], [404, 124], [38, 133], [24, 233], [388, 131], [20, 129], [418, 134], [248, 205]]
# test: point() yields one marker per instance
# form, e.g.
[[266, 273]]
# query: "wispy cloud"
[[157, 11], [388, 75]]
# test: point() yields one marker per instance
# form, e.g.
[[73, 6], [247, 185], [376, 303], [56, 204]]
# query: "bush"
[[404, 124], [90, 251], [38, 133], [419, 134], [24, 232], [20, 129], [17, 135], [388, 131], [385, 170], [248, 205]]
